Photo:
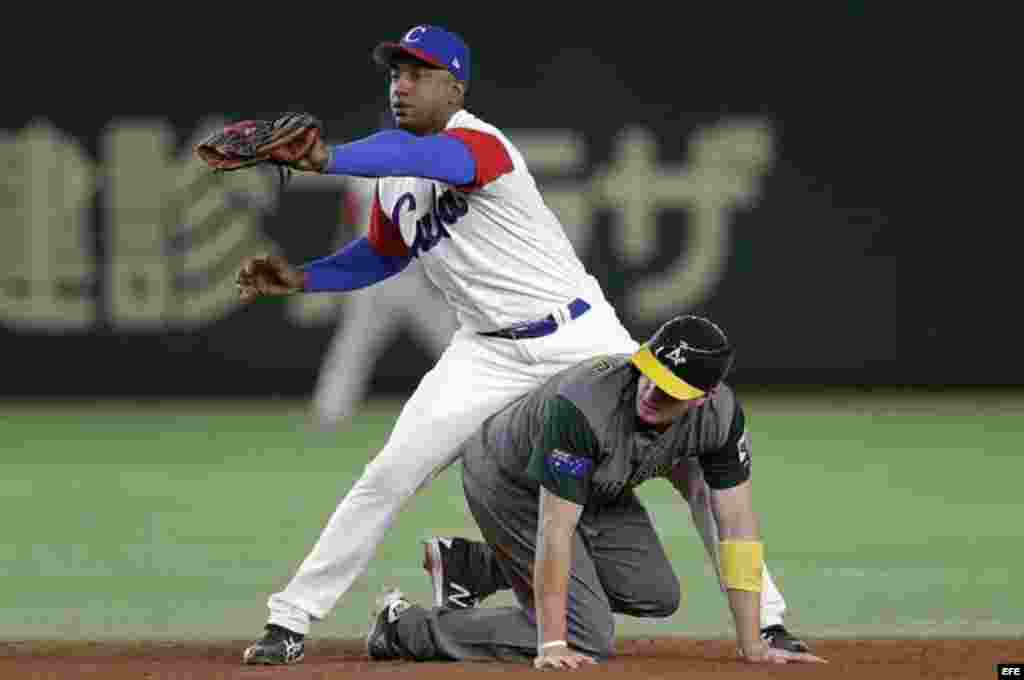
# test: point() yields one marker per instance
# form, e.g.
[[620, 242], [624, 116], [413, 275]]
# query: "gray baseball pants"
[[619, 567]]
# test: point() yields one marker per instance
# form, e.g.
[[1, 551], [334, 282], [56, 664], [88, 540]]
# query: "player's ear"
[[459, 88]]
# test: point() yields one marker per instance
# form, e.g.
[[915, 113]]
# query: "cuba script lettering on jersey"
[[446, 210]]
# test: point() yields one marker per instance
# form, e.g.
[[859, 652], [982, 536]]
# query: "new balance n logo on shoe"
[[460, 597]]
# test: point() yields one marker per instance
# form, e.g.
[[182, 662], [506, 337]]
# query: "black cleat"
[[778, 637], [278, 647], [380, 641], [446, 560]]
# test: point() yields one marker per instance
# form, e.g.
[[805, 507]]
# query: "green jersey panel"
[[729, 466], [564, 460]]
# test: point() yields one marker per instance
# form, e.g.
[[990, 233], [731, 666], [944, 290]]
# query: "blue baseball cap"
[[430, 44]]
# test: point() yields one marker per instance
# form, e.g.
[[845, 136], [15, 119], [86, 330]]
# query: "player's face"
[[655, 407], [422, 97]]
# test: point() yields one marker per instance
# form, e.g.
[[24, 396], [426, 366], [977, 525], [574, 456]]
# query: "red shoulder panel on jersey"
[[491, 156], [384, 235]]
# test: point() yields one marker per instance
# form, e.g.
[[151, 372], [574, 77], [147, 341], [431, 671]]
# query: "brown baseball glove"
[[291, 141]]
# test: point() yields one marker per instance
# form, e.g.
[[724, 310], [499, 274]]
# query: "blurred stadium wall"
[[782, 202]]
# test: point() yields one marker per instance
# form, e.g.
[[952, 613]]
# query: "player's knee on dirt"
[[664, 598], [414, 639]]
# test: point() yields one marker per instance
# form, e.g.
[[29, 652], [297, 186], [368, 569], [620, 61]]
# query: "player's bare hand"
[[267, 275], [762, 653], [561, 659]]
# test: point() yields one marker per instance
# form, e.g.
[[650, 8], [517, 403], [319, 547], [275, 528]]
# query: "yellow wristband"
[[741, 563]]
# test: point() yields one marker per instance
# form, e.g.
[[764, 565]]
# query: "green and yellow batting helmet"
[[687, 357]]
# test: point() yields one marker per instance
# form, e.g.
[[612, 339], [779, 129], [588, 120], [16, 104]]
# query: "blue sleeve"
[[397, 153], [355, 266]]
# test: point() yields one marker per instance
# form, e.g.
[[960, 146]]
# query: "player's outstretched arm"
[[355, 266], [688, 480], [741, 557], [557, 519], [397, 153]]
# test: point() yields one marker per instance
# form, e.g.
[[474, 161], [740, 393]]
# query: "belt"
[[546, 326]]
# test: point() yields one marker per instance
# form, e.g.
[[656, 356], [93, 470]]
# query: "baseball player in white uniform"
[[453, 192]]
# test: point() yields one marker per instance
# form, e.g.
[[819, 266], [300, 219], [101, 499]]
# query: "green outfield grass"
[[882, 517]]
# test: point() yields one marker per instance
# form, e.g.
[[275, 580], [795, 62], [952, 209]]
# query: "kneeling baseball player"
[[550, 481]]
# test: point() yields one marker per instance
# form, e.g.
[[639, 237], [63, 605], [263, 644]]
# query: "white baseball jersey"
[[493, 247]]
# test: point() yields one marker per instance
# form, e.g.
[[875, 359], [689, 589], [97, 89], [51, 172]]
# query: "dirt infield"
[[639, 658]]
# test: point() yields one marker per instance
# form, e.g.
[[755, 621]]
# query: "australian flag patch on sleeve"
[[562, 463]]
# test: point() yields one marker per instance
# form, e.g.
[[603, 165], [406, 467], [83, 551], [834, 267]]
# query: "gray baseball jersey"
[[577, 436]]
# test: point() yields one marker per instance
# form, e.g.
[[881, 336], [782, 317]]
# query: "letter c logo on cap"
[[415, 34]]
